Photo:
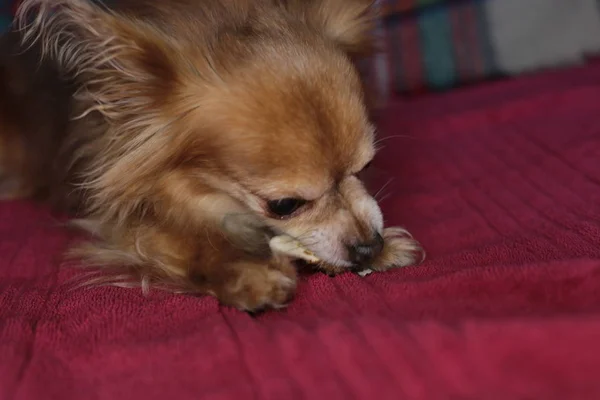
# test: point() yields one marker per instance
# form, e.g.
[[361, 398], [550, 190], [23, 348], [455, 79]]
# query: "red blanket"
[[502, 185]]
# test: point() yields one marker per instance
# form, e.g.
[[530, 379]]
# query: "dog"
[[184, 135]]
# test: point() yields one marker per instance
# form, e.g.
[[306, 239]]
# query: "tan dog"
[[186, 134]]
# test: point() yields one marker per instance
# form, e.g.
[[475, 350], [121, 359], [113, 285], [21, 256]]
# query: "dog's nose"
[[363, 253]]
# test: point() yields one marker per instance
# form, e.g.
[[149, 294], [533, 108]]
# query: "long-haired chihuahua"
[[186, 134]]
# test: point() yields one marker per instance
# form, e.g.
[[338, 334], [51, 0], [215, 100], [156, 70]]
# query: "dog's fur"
[[167, 127]]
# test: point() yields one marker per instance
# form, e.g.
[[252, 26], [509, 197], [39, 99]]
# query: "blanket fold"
[[501, 183]]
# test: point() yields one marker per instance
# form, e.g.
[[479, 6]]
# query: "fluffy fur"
[[167, 128]]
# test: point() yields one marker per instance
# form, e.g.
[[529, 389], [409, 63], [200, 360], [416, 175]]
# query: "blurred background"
[[432, 45]]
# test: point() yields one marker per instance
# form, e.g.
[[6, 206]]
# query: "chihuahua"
[[185, 135]]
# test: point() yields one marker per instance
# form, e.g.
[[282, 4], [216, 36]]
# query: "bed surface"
[[501, 183]]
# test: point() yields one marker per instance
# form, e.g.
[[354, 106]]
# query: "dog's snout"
[[362, 253]]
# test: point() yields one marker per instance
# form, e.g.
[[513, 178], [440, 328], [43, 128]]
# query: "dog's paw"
[[261, 286], [400, 249]]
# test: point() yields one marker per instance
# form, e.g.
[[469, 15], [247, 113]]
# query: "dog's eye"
[[285, 207], [366, 167], [361, 174]]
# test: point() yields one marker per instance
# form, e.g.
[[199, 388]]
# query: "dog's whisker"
[[386, 196], [386, 138], [383, 188]]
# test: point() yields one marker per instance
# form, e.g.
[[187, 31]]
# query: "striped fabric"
[[439, 44], [400, 6], [434, 44]]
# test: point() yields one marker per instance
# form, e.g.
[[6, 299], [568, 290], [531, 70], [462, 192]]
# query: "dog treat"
[[364, 272], [289, 246]]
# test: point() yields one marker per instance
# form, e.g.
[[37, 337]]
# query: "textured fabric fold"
[[500, 182]]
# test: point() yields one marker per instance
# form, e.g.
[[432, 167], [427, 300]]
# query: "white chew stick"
[[365, 272], [289, 246]]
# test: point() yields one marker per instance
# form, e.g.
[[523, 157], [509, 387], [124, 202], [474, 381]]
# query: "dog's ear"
[[348, 23], [112, 56], [125, 70]]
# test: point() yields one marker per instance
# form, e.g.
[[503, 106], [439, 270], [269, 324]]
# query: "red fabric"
[[501, 184]]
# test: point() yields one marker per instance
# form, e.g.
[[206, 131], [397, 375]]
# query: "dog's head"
[[290, 137], [261, 115]]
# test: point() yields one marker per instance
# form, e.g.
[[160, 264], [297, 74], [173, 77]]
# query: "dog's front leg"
[[248, 280], [252, 284], [400, 249], [200, 261], [238, 278]]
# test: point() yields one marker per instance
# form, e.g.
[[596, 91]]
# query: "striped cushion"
[[436, 43], [439, 44]]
